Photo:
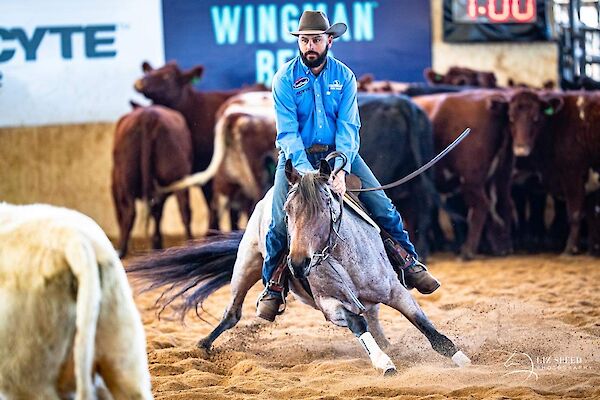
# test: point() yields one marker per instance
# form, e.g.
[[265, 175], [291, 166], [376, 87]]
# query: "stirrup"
[[266, 291]]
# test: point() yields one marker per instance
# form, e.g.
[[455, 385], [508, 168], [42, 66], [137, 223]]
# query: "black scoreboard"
[[495, 21]]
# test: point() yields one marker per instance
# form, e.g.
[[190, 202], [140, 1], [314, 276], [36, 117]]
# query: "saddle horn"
[[333, 155]]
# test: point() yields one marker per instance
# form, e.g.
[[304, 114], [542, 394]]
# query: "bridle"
[[322, 256], [335, 221]]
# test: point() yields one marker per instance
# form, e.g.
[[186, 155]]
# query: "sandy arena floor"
[[541, 310]]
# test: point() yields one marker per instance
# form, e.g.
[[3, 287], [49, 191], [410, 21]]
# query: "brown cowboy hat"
[[316, 23]]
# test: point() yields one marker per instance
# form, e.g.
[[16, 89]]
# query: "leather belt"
[[319, 148]]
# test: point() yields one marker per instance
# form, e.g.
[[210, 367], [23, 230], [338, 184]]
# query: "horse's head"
[[308, 209]]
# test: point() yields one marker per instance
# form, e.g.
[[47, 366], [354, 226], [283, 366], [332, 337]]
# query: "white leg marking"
[[379, 359]]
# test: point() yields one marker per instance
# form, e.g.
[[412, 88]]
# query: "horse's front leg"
[[401, 300], [337, 313], [358, 325], [372, 317]]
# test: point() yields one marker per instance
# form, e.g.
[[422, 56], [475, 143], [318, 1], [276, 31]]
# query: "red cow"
[[561, 131], [482, 162], [152, 147], [172, 87], [461, 76]]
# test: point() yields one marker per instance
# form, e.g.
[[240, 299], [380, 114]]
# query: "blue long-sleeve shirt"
[[316, 110]]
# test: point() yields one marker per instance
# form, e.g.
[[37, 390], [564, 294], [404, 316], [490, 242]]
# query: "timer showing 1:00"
[[494, 11]]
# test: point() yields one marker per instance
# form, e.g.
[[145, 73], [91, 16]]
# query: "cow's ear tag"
[[438, 77], [549, 111], [195, 80]]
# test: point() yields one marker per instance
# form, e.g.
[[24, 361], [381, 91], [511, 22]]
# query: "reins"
[[413, 174]]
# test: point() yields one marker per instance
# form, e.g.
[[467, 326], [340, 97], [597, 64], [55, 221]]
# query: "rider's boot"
[[271, 302], [411, 273]]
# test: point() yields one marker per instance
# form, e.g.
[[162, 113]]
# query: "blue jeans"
[[377, 203]]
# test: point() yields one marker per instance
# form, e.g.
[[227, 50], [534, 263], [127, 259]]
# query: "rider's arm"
[[288, 138], [347, 139]]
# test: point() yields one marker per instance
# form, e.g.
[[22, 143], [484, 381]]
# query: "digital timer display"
[[494, 11]]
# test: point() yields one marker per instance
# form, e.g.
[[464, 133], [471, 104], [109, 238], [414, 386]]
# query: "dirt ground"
[[529, 323]]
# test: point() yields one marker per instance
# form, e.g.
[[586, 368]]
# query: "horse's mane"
[[309, 191]]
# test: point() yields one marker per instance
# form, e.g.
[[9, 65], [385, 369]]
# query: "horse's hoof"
[[204, 344], [390, 372], [461, 359]]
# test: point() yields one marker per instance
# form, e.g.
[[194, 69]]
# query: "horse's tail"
[[192, 272]]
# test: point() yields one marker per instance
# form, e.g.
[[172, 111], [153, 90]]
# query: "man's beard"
[[315, 62]]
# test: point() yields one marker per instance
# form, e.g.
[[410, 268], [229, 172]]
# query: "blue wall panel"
[[245, 41]]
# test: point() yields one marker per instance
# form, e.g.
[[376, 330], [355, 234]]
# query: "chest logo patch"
[[335, 85], [300, 82]]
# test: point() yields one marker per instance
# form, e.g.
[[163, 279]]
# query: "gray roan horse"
[[347, 280]]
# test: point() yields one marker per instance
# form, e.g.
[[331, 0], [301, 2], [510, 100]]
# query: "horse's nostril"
[[299, 266]]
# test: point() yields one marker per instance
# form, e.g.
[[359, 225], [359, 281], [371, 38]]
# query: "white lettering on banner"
[[267, 24], [265, 66], [249, 21], [268, 62], [76, 65], [270, 23], [226, 23], [363, 20], [289, 22], [339, 15]]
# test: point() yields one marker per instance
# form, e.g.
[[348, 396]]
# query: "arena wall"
[[70, 166]]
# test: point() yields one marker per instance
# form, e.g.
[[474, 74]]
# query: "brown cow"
[[367, 83], [461, 76], [482, 162], [172, 87], [561, 131], [152, 146]]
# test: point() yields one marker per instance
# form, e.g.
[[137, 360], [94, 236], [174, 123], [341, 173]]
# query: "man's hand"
[[338, 182]]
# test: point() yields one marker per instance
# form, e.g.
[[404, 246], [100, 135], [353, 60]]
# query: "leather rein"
[[417, 172]]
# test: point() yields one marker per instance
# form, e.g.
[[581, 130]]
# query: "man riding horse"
[[317, 113]]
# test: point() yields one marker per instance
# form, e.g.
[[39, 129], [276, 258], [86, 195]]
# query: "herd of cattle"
[[529, 149]]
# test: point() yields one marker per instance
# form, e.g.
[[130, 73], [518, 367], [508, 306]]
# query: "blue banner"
[[242, 42]]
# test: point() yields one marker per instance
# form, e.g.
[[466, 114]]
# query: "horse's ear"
[[290, 173], [325, 169]]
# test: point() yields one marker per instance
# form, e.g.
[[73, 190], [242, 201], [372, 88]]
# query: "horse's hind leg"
[[358, 325], [372, 317], [402, 301], [247, 272]]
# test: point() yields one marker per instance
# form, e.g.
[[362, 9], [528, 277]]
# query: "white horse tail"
[[201, 178], [83, 264]]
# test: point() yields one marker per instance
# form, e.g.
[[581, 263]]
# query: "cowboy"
[[317, 113]]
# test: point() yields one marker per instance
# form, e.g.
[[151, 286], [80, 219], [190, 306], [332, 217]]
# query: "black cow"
[[396, 139]]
